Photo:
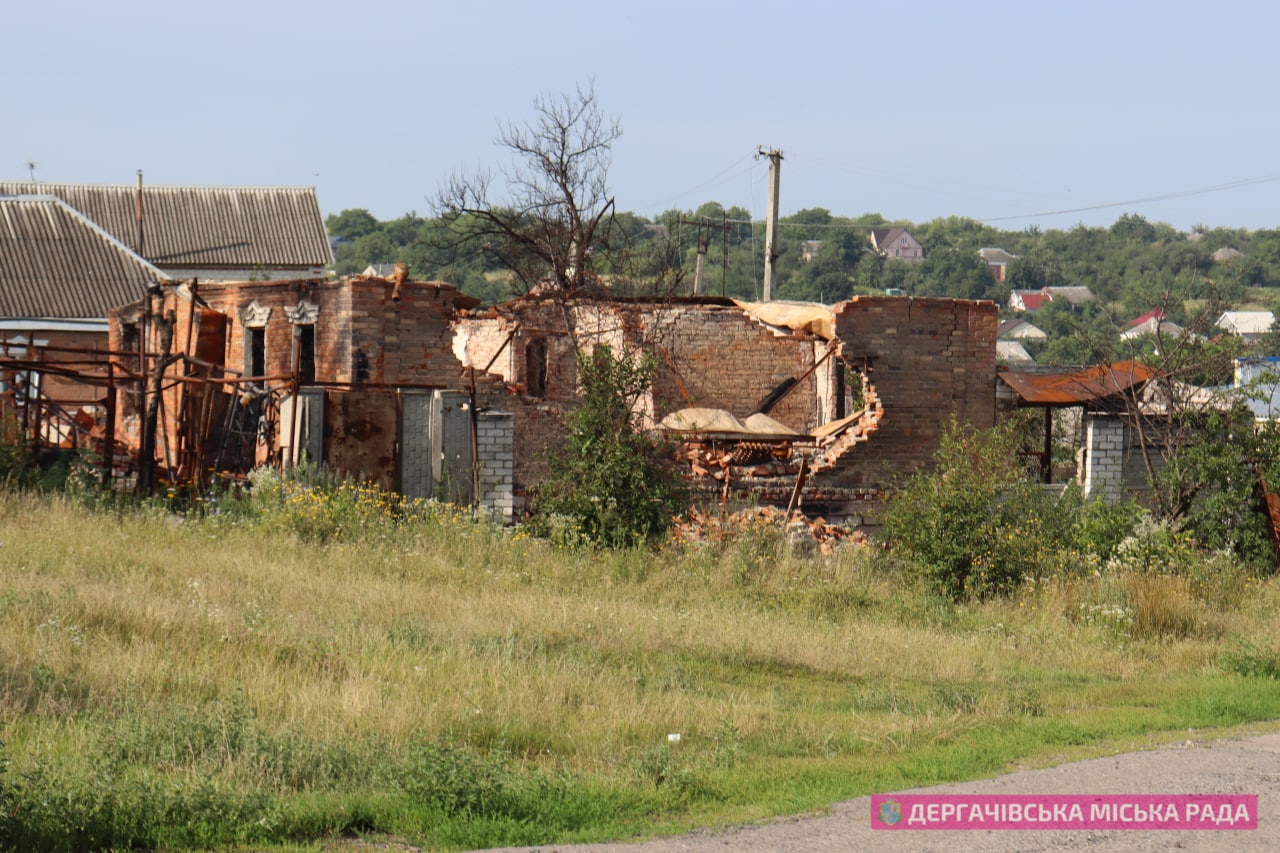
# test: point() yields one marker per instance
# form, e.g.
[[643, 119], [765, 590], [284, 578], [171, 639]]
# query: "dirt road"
[[1244, 765]]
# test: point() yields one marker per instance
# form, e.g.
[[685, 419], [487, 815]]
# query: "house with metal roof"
[[1153, 323], [1028, 300], [1248, 325], [208, 233], [896, 243], [996, 260], [60, 274], [1017, 329]]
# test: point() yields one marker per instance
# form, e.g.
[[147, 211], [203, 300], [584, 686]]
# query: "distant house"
[[380, 270], [208, 233], [1027, 300], [1258, 378], [1248, 325], [1224, 254], [1012, 352], [896, 243], [809, 250], [1034, 300], [1020, 330], [1151, 323], [996, 261], [1076, 296]]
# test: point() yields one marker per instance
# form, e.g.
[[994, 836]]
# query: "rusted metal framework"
[[72, 399]]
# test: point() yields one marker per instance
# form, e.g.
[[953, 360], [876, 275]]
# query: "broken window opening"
[[130, 341], [306, 335], [535, 358], [255, 351], [849, 385]]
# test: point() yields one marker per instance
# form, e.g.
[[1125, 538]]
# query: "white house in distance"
[[1020, 330], [1248, 325], [1151, 323], [1012, 352], [896, 243], [1034, 300]]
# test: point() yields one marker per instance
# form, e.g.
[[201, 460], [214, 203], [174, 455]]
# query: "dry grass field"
[[328, 663]]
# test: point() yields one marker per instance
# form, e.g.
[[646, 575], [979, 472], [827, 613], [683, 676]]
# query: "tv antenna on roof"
[[31, 167]]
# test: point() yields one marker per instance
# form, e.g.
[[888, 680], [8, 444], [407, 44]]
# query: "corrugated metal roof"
[[1032, 300], [56, 263], [1075, 295], [1246, 322], [213, 227], [1076, 387]]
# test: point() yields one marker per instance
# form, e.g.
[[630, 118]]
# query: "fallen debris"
[[699, 526]]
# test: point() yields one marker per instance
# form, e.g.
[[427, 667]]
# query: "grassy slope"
[[204, 684]]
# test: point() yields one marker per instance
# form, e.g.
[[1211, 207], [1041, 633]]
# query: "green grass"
[[278, 677]]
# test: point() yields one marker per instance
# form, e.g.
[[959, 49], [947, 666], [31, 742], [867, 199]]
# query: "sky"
[[1018, 114]]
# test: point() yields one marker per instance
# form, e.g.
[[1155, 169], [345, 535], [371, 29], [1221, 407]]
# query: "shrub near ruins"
[[611, 482], [979, 524]]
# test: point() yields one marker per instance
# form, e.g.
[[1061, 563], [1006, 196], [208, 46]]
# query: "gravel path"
[[1245, 765]]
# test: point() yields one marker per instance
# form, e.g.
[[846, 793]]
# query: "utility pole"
[[705, 226], [771, 219], [697, 268]]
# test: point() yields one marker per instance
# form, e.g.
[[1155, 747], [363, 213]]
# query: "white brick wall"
[[1104, 457], [495, 446], [417, 480]]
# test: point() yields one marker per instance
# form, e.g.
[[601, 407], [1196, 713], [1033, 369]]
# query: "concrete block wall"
[[1104, 454], [495, 446], [417, 479]]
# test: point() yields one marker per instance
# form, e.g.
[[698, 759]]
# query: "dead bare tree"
[[550, 217]]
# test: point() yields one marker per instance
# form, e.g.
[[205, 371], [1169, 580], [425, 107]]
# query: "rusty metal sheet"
[[361, 428], [1077, 387]]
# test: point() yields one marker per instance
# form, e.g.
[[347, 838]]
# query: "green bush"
[[979, 524], [612, 481], [1251, 660]]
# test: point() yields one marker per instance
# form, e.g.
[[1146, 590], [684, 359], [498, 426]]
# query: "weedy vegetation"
[[314, 659]]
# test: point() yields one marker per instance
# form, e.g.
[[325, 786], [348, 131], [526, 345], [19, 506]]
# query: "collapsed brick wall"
[[404, 342], [366, 332], [709, 354], [718, 357], [929, 359]]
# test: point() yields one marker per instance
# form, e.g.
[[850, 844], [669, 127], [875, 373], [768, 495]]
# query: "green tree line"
[[1132, 267]]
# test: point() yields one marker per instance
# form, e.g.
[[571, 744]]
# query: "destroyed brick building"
[[907, 364], [409, 386], [357, 374]]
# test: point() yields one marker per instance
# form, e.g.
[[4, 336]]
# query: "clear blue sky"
[[989, 110]]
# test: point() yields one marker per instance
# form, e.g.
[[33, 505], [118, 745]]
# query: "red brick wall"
[[928, 358], [64, 391], [709, 355], [721, 358]]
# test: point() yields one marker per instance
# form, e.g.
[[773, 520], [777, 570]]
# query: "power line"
[[1230, 185], [722, 174]]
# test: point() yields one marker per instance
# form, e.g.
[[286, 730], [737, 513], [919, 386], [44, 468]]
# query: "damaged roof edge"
[[1076, 387]]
